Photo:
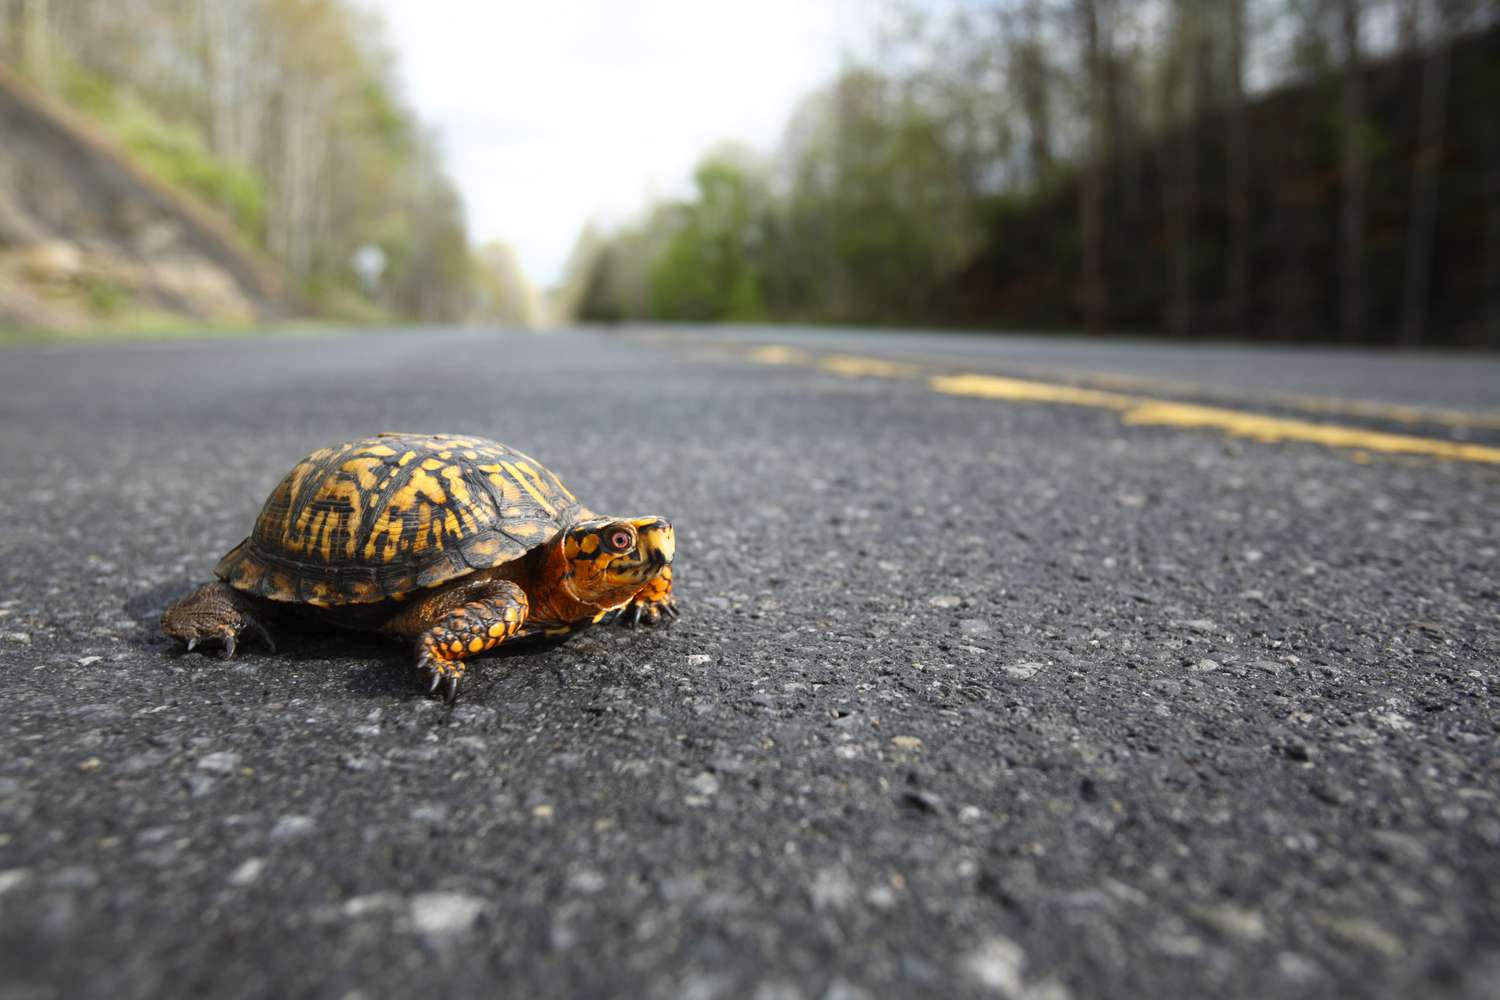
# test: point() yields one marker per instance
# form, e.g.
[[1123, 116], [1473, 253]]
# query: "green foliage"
[[174, 153], [882, 183], [342, 304], [709, 269], [871, 216], [1162, 163], [105, 298]]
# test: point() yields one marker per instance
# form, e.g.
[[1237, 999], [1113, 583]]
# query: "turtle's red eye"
[[619, 541]]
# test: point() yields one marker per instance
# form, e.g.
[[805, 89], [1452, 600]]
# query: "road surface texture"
[[979, 691]]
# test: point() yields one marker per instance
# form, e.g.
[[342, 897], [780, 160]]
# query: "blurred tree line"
[[1299, 169], [283, 114]]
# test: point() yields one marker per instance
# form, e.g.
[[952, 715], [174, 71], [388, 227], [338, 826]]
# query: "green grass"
[[105, 298], [158, 326]]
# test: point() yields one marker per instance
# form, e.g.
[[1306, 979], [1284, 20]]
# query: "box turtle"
[[458, 543]]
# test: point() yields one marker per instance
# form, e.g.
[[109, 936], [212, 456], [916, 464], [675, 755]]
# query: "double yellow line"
[[1140, 410]]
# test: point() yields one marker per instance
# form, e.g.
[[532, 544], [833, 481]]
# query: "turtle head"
[[608, 560]]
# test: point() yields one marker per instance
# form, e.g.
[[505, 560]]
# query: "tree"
[[280, 111], [1091, 161], [1031, 71], [1237, 182], [1182, 90], [1091, 290], [502, 293], [1427, 167], [1490, 315], [875, 188], [1352, 204], [710, 270]]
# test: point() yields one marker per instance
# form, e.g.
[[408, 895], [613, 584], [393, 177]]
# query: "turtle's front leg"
[[653, 603], [215, 612], [454, 624]]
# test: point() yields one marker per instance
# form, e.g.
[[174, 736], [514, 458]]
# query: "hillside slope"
[[89, 240]]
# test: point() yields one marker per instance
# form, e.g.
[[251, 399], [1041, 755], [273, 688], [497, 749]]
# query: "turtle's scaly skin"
[[460, 543]]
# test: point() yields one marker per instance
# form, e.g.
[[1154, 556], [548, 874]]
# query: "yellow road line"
[[845, 364], [775, 354], [856, 367], [1020, 390], [1137, 410], [1145, 411], [1400, 413]]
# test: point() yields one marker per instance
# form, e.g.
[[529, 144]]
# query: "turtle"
[[457, 543]]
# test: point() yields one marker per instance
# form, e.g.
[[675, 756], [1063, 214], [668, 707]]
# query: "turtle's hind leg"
[[464, 620], [215, 613]]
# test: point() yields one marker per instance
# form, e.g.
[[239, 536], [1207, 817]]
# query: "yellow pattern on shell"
[[369, 519], [520, 477]]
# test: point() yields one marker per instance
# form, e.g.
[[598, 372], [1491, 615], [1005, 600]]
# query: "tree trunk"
[[236, 96], [1491, 291], [1352, 207], [1238, 166], [214, 44], [1030, 70], [302, 142], [1425, 172], [1490, 317], [1122, 147], [1409, 25], [1293, 297], [1180, 161], [1091, 180]]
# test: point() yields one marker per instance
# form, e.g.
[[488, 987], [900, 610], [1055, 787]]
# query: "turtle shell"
[[374, 520]]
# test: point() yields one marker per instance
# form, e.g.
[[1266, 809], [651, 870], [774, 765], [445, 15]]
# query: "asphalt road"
[[1449, 380], [970, 697]]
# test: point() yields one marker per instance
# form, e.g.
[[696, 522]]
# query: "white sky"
[[554, 113]]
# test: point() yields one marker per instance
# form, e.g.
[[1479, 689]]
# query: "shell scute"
[[372, 520]]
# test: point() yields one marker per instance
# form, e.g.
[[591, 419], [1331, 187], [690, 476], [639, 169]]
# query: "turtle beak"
[[657, 542]]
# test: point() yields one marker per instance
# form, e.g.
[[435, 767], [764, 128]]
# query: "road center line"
[[1134, 410], [1145, 411], [1138, 385]]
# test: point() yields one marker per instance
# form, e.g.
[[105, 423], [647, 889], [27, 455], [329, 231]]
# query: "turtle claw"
[[651, 613], [439, 678], [214, 615]]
